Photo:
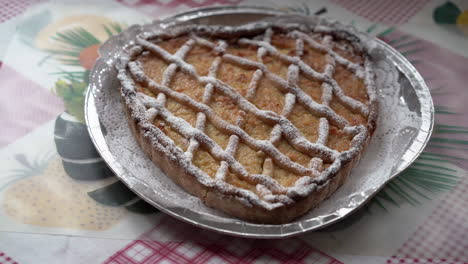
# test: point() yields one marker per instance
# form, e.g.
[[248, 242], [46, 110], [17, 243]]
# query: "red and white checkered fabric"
[[4, 259], [392, 12], [10, 9], [177, 3], [443, 238], [158, 8], [172, 241]]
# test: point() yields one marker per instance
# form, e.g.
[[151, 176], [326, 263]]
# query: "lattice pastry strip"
[[273, 194], [201, 118], [289, 130], [243, 103], [234, 140]]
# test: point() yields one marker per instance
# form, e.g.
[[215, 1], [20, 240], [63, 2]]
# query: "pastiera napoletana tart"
[[262, 121]]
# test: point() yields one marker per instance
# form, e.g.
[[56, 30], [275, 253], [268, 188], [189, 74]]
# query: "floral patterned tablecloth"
[[59, 203]]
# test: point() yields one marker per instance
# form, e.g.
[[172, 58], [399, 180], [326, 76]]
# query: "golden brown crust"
[[168, 159]]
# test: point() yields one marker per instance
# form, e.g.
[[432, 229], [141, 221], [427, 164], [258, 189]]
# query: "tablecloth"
[[63, 206]]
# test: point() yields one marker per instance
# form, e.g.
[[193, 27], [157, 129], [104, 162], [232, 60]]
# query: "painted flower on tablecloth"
[[74, 42], [451, 14], [43, 194], [74, 189]]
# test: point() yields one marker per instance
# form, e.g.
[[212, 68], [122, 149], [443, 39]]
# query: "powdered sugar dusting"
[[270, 194], [208, 93]]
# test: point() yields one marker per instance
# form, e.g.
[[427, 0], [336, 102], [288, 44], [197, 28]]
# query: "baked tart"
[[262, 121]]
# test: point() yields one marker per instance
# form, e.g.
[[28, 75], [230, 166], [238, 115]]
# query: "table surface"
[[59, 203]]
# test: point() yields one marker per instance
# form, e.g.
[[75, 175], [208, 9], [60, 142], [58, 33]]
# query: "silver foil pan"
[[404, 127]]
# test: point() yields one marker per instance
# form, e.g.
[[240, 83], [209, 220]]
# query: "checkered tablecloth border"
[[391, 12], [443, 238], [172, 241], [5, 259], [177, 3], [10, 9]]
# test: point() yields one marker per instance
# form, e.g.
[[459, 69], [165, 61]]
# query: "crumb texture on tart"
[[265, 117]]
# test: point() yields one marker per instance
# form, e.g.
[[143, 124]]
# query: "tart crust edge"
[[230, 204]]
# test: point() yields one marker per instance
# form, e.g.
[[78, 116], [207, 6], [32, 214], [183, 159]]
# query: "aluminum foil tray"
[[404, 127]]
